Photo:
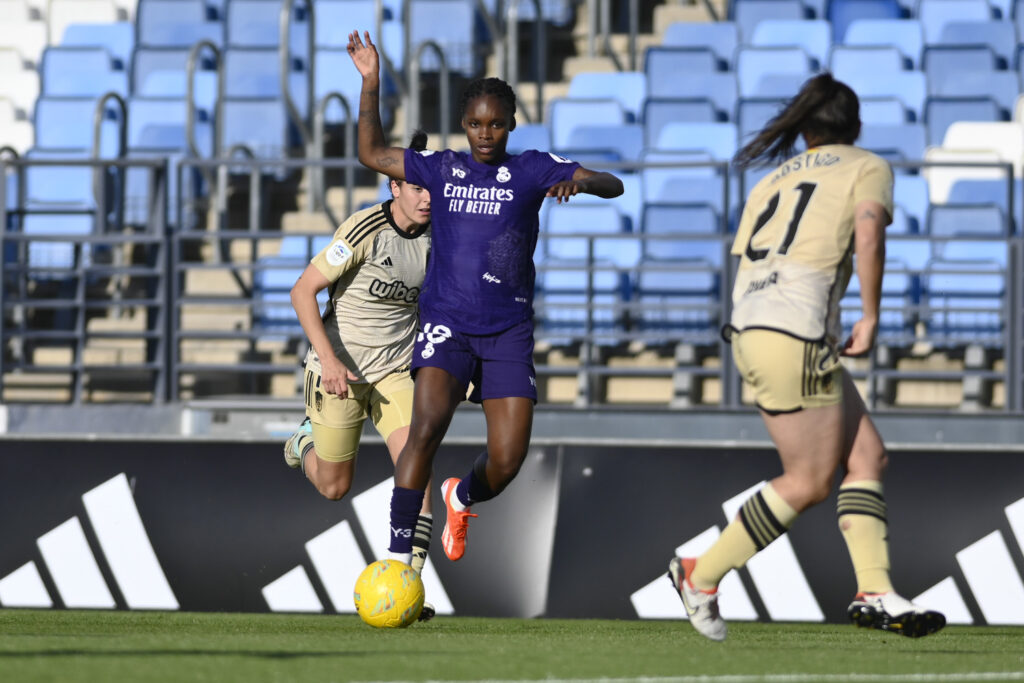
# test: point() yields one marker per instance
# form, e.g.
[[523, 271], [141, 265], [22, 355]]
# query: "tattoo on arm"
[[868, 214], [385, 161]]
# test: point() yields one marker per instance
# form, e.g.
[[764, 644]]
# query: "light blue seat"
[[273, 280], [659, 112], [334, 74], [257, 23], [59, 187], [663, 64], [999, 35], [529, 136], [66, 123], [941, 112], [967, 220], [963, 302], [990, 192], [718, 139], [944, 61], [722, 37], [779, 85], [258, 123], [674, 231], [749, 13], [884, 110], [814, 36], [118, 38], [80, 72], [868, 58], [754, 113], [54, 254], [255, 72], [685, 178], [844, 12], [905, 34], [629, 88], [753, 63], [620, 142], [1002, 86], [564, 292], [679, 299], [452, 24], [565, 113], [720, 88], [935, 14], [901, 142], [176, 23], [556, 12], [897, 314], [335, 19], [910, 87], [564, 220], [161, 72], [910, 193]]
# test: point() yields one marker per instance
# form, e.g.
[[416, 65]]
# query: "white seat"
[[14, 132], [1005, 138], [64, 12], [22, 89], [28, 38], [14, 10], [941, 179]]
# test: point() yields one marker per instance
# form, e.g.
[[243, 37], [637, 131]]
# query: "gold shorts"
[[788, 374], [338, 422]]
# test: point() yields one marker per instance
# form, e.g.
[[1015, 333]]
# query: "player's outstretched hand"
[[364, 55], [565, 189], [862, 337]]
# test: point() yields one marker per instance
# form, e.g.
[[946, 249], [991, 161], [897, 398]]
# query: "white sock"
[[405, 558]]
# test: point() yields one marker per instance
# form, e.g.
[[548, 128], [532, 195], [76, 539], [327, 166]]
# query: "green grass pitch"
[[71, 646]]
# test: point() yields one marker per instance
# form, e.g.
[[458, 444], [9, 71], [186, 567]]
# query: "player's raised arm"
[[584, 180], [374, 152]]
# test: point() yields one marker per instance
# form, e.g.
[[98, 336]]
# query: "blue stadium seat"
[[565, 113], [563, 292], [118, 38], [1002, 86], [900, 297], [910, 193], [814, 36], [66, 123], [161, 72], [674, 231], [697, 183], [176, 23], [722, 37], [935, 14], [749, 13], [1001, 36], [901, 142], [718, 139], [80, 72], [255, 72], [883, 110], [941, 112], [753, 113], [273, 280], [59, 188], [678, 299], [842, 13], [628, 87], [659, 112], [258, 123], [967, 220], [910, 87], [963, 302], [868, 58], [663, 64], [905, 34], [529, 136], [753, 63], [564, 220], [719, 87], [52, 254], [944, 61], [620, 142], [257, 23], [779, 85], [991, 192], [452, 24]]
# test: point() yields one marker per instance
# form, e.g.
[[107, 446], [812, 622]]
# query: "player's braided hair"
[[489, 86], [825, 111]]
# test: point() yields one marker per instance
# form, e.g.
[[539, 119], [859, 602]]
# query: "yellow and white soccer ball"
[[389, 594]]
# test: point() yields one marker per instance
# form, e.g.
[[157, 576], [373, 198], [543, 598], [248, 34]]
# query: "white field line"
[[776, 678]]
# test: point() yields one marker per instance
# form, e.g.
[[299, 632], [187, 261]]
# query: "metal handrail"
[[318, 189], [413, 104], [190, 109], [540, 54], [285, 51]]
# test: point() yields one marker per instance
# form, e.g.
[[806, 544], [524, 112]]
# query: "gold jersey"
[[795, 240], [376, 272]]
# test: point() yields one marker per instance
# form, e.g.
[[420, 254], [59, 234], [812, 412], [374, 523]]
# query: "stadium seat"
[[1003, 137], [905, 34], [1000, 36], [453, 25], [945, 61], [846, 59], [28, 38], [994, 192], [941, 112], [66, 123], [17, 132], [674, 231], [967, 220], [629, 88], [718, 139], [1002, 86], [663, 64], [564, 114], [749, 13], [678, 301], [273, 279], [620, 142], [176, 23], [161, 72], [963, 302], [942, 178], [118, 38], [753, 113], [910, 87], [814, 36], [80, 72], [563, 220], [901, 142], [779, 85], [565, 292], [255, 72], [19, 86], [910, 193], [60, 13], [898, 305], [694, 181], [719, 88], [15, 11], [529, 136], [56, 255], [753, 63], [883, 110], [259, 124], [658, 112], [842, 13], [934, 15], [722, 37], [257, 24]]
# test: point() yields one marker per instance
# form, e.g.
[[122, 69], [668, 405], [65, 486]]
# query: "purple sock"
[[405, 510], [472, 489]]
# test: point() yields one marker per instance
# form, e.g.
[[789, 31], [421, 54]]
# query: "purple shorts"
[[499, 365]]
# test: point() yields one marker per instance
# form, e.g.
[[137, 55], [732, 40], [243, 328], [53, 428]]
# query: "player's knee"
[[334, 490]]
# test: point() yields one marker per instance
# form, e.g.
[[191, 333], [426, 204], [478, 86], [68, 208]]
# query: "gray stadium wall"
[[585, 531]]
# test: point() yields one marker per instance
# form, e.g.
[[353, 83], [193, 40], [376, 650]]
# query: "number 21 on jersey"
[[769, 212]]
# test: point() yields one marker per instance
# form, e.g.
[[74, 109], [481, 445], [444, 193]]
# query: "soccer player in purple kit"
[[476, 305]]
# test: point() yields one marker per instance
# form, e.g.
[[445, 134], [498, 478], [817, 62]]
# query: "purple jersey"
[[484, 222]]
